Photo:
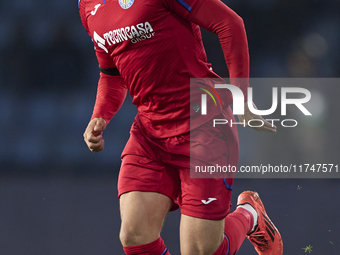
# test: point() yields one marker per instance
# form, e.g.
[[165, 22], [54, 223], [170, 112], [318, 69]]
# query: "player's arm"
[[216, 17], [111, 93]]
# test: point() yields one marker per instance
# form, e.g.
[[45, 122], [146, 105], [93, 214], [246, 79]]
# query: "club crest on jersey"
[[126, 4]]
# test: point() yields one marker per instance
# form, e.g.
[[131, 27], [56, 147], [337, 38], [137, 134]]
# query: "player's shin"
[[237, 225], [224, 247]]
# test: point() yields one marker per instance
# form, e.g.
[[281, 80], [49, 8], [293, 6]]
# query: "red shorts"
[[163, 166]]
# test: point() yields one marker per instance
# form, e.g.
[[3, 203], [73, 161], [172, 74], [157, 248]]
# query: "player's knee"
[[129, 237]]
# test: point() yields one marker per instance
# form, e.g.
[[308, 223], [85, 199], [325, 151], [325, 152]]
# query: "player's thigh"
[[205, 204], [142, 215], [200, 236]]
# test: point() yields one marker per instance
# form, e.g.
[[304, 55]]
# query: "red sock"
[[237, 225], [155, 248], [224, 247]]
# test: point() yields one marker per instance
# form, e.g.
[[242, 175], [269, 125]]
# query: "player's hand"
[[93, 135], [248, 115]]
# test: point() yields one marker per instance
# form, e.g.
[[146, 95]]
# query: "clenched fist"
[[93, 135]]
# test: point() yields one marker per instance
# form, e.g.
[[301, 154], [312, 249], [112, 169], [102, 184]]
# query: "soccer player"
[[152, 48]]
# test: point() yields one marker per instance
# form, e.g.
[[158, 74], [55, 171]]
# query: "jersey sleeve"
[[216, 17], [111, 93], [111, 90]]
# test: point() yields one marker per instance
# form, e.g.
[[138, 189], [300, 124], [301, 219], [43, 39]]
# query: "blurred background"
[[56, 197]]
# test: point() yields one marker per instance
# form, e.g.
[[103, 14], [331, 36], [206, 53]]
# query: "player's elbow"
[[240, 20], [236, 21], [233, 23]]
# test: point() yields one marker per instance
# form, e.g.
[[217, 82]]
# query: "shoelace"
[[257, 237]]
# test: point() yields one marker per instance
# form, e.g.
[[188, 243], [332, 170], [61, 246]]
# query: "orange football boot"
[[265, 238]]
